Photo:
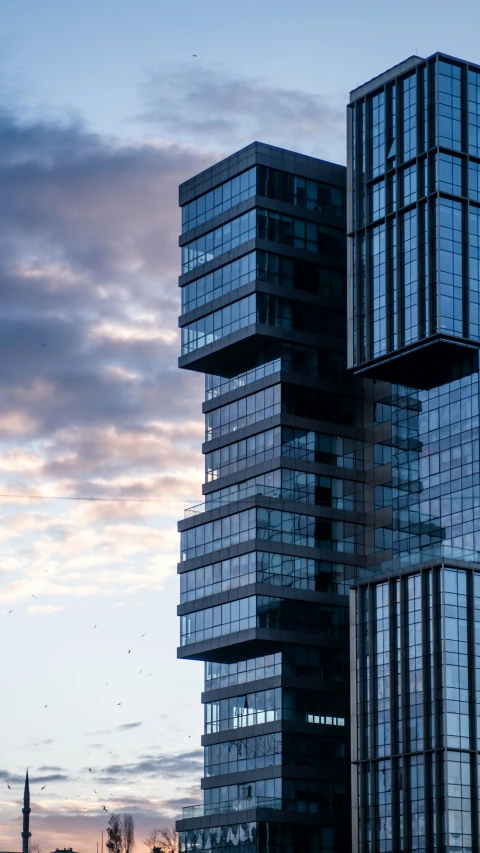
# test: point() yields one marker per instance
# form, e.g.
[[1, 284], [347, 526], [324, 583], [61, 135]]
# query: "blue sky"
[[103, 111]]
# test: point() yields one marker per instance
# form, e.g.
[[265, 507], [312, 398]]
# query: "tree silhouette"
[[114, 832], [128, 833]]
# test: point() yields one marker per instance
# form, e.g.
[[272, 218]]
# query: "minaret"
[[26, 834]]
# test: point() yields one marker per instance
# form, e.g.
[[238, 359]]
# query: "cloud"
[[19, 779], [198, 103], [47, 768], [167, 765], [93, 404]]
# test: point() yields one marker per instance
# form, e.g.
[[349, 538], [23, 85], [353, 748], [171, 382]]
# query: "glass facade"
[[266, 182], [416, 748], [418, 176], [259, 308], [262, 583], [324, 483]]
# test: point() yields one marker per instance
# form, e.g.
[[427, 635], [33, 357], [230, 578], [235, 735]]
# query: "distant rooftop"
[[402, 68], [382, 78]]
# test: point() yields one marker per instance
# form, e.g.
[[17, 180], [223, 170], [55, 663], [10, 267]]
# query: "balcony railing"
[[244, 494], [233, 806], [432, 553]]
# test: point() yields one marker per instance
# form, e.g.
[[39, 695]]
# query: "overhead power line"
[[106, 500]]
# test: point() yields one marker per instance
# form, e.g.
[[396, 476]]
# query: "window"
[[221, 240], [377, 151], [216, 201], [449, 96], [449, 174], [377, 201], [451, 266], [217, 325], [409, 135]]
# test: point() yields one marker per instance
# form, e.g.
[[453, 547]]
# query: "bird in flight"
[[42, 789], [104, 809], [94, 626], [90, 769], [33, 596], [94, 791], [119, 703], [144, 635], [141, 670], [46, 706], [10, 611], [129, 651], [8, 786], [194, 55]]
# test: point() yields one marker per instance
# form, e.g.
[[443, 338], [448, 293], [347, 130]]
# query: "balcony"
[[216, 501], [232, 806]]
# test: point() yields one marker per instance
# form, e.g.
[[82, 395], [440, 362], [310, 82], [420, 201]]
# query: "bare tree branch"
[[162, 840]]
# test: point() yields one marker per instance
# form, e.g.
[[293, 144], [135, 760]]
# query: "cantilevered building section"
[[414, 222], [267, 560]]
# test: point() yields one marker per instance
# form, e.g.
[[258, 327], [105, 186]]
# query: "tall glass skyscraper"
[[414, 136], [268, 557], [342, 453]]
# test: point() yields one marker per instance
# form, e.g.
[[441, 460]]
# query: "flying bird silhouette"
[[10, 611], [129, 651], [194, 55], [46, 706], [119, 703], [90, 769], [33, 596], [104, 809], [94, 791], [42, 789], [144, 635], [8, 786]]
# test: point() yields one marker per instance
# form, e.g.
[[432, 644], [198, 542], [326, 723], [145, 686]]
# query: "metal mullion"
[[400, 229], [361, 692], [442, 755], [403, 644], [355, 669], [426, 692], [393, 710], [419, 229], [368, 278], [372, 721], [436, 653], [465, 193], [419, 135], [474, 792]]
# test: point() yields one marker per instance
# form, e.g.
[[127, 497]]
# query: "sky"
[[104, 110]]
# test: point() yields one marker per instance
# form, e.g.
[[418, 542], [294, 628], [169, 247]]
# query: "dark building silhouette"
[[267, 558], [342, 460]]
